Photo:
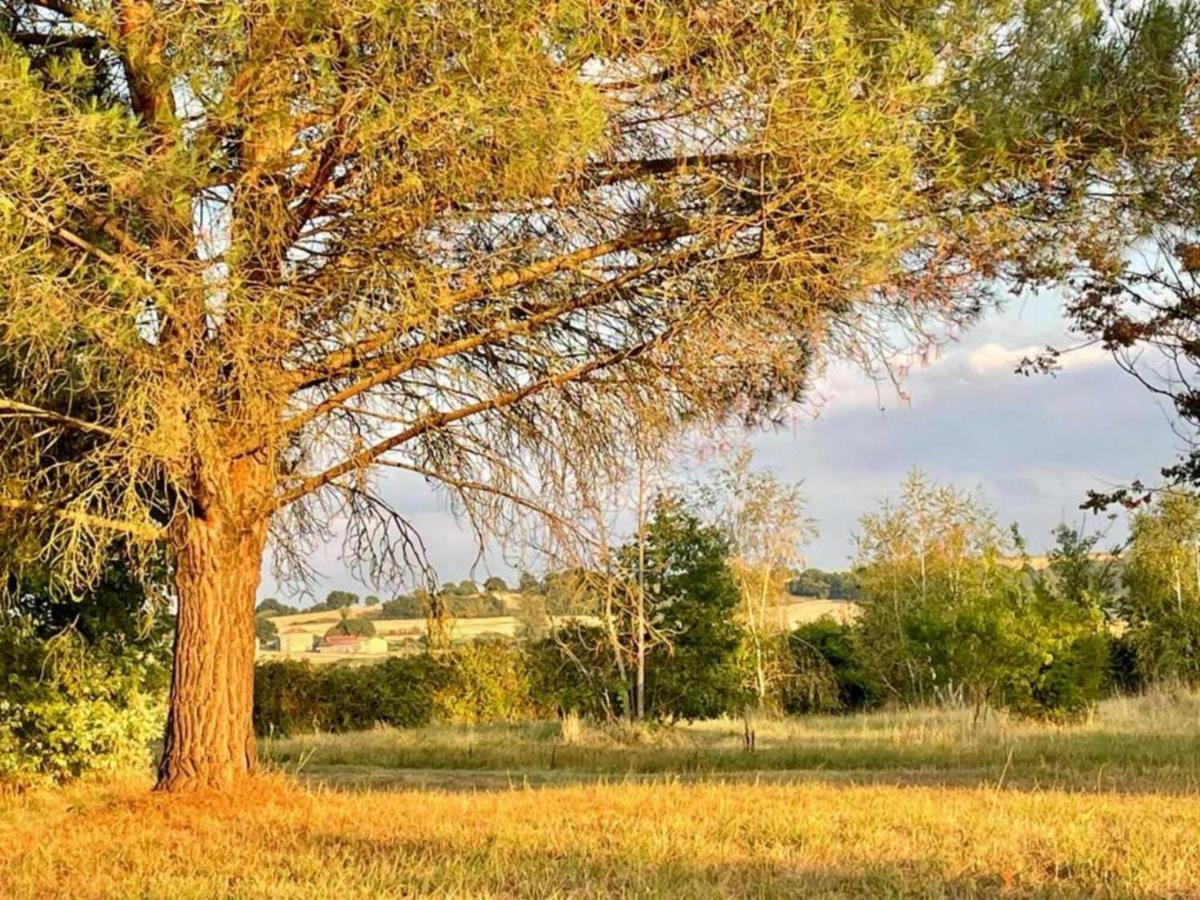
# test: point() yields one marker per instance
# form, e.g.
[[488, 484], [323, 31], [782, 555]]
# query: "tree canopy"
[[251, 249]]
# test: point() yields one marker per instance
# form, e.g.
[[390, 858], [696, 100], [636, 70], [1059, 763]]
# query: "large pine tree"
[[251, 250]]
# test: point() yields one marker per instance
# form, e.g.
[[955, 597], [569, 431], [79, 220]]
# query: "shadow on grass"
[[1145, 764]]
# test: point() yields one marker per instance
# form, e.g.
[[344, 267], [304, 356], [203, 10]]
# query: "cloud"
[[992, 358]]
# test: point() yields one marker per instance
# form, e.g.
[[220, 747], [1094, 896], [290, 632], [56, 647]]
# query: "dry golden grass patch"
[[278, 839]]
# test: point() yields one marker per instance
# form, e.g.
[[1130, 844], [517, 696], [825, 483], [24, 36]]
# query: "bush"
[[292, 696], [471, 684], [404, 607], [828, 673], [68, 707], [484, 682]]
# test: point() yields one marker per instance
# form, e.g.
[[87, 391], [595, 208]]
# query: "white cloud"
[[994, 357]]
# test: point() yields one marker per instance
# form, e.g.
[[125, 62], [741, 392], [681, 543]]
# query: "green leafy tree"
[[1161, 603], [352, 626], [84, 675], [495, 583], [264, 630], [406, 606], [692, 595], [765, 524], [824, 585], [273, 607]]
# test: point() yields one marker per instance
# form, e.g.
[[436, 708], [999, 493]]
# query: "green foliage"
[[82, 680], [275, 607], [946, 617], [575, 671], [692, 596], [352, 626], [824, 585], [264, 629], [1161, 603], [291, 696], [828, 672], [406, 606], [495, 583], [485, 682], [334, 601]]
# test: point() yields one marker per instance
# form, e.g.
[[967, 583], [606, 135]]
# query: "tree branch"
[[13, 408], [136, 529], [441, 419], [387, 368], [350, 356]]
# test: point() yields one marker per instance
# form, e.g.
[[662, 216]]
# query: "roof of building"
[[340, 640]]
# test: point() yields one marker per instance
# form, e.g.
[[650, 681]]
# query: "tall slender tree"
[[253, 250]]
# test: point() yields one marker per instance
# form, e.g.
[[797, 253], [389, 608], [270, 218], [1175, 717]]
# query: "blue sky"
[[1030, 446]]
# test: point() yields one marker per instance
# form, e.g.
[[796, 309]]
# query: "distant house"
[[349, 643], [296, 641]]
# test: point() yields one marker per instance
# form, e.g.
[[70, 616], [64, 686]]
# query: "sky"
[[1030, 446]]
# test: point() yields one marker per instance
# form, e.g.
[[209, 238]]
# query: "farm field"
[[786, 614], [920, 804]]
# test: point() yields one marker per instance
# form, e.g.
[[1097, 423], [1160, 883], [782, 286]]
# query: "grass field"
[[902, 805]]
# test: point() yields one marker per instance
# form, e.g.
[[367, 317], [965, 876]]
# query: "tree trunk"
[[210, 737]]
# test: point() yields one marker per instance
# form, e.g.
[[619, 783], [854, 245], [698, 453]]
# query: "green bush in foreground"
[[82, 679]]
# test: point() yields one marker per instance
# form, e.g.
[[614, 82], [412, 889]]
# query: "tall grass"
[[1150, 742]]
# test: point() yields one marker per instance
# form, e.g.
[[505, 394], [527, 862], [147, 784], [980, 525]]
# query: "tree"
[[933, 610], [527, 583], [351, 626], [1141, 305], [253, 251], [692, 595], [264, 629], [405, 606], [495, 584], [821, 585], [1161, 602], [765, 523], [273, 607]]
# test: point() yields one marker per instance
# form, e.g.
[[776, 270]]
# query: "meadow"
[[895, 804]]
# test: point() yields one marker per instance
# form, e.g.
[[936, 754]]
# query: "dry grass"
[[276, 839], [974, 822]]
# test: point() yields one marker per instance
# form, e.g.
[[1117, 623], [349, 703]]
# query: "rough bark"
[[210, 738]]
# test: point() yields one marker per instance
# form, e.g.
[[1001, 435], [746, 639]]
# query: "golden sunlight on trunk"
[[210, 738]]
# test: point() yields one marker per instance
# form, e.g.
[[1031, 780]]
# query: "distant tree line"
[[950, 610]]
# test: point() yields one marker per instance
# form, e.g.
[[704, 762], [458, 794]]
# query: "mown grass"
[[922, 804], [1135, 744]]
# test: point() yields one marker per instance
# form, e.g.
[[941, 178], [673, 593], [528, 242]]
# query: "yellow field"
[[925, 803], [279, 840]]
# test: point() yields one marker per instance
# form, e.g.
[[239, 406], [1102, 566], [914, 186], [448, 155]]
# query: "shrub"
[[828, 673], [473, 684], [68, 707], [485, 682], [404, 607], [292, 696]]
